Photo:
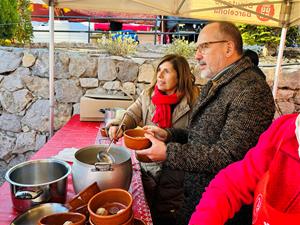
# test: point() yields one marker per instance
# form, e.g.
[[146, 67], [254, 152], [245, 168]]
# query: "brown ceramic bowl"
[[142, 158], [131, 221], [61, 218], [83, 197], [109, 199], [103, 132], [135, 139], [79, 202], [82, 210], [138, 222]]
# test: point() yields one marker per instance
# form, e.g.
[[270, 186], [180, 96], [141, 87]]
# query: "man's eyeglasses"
[[202, 47]]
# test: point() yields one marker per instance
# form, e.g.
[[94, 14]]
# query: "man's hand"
[[159, 133], [157, 152]]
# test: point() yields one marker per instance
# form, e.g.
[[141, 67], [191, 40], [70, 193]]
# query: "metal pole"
[[51, 67], [162, 30], [279, 61], [89, 29], [155, 34]]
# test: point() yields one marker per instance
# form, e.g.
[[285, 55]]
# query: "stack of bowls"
[[118, 205]]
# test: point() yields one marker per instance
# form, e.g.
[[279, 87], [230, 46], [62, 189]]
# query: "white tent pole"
[[279, 60], [162, 30], [51, 67]]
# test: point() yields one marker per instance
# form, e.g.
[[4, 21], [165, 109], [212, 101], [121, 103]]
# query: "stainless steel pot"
[[38, 181], [86, 169]]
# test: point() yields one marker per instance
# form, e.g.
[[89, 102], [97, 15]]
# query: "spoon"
[[104, 156]]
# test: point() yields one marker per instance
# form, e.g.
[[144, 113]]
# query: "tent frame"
[[284, 23]]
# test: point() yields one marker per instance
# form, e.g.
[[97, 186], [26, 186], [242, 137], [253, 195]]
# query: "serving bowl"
[[118, 206], [79, 202], [33, 215], [135, 139], [62, 218]]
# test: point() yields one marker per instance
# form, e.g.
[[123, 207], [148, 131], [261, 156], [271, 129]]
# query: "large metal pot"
[[38, 181], [86, 169]]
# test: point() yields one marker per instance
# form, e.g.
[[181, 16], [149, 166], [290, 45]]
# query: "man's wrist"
[[168, 135]]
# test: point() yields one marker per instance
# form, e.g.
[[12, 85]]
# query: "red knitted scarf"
[[163, 103]]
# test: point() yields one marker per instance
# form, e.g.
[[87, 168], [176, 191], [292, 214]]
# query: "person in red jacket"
[[268, 177]]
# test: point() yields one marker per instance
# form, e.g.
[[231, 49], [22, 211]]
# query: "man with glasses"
[[234, 108]]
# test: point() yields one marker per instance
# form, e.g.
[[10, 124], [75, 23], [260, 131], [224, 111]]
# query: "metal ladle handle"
[[105, 155], [118, 130]]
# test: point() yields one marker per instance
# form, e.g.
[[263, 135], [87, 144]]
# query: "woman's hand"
[[157, 151], [112, 133], [157, 132]]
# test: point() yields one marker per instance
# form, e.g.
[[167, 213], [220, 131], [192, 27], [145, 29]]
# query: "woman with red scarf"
[[167, 103]]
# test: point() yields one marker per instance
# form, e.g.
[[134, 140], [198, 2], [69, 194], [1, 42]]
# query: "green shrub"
[[15, 22], [265, 35], [8, 19], [259, 35], [117, 45], [24, 31], [182, 47]]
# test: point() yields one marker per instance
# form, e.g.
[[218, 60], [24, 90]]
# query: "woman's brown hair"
[[186, 80]]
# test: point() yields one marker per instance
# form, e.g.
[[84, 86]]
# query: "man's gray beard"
[[206, 74]]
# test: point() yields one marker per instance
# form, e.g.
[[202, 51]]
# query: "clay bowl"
[[83, 197], [131, 221], [79, 202], [103, 132], [61, 218], [138, 222], [134, 139], [111, 199]]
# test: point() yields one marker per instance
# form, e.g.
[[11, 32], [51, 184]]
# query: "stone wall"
[[24, 90]]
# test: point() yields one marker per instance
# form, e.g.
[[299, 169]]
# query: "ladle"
[[104, 156]]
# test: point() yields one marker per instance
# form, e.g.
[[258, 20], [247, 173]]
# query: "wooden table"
[[77, 134]]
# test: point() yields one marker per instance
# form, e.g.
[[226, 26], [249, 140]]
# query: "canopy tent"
[[284, 13], [40, 13]]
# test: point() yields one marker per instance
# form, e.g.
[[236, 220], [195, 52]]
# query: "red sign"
[[267, 10]]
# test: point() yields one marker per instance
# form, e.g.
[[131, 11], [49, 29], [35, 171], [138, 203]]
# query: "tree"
[[24, 32], [267, 36], [8, 18]]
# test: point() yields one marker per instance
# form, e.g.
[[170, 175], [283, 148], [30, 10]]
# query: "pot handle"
[[102, 166], [28, 194]]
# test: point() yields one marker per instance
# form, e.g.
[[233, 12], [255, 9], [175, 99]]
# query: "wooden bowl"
[[109, 199], [61, 218], [135, 139]]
